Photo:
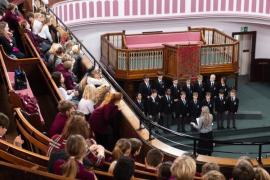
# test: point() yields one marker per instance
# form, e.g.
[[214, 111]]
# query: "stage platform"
[[253, 122]]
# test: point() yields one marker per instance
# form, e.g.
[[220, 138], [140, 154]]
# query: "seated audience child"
[[76, 148], [59, 81], [45, 33], [75, 125], [183, 167], [243, 170], [79, 68], [121, 148], [209, 167], [140, 102], [65, 110], [145, 87], [223, 86], [220, 108], [87, 102], [166, 108], [199, 87], [103, 118], [204, 126], [101, 91], [8, 43], [261, 174], [35, 23], [213, 175], [181, 112], [136, 146], [124, 169], [164, 171], [96, 79], [153, 159], [232, 106], [4, 123], [208, 101]]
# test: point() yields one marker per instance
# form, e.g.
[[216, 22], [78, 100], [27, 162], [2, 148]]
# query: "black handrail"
[[148, 122]]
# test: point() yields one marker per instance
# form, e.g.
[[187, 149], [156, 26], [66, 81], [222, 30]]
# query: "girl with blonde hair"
[[76, 148], [204, 126], [261, 174], [183, 167], [87, 102]]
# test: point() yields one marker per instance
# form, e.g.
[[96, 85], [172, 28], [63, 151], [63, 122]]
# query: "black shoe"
[[234, 127]]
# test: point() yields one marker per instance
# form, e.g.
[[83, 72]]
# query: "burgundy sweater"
[[102, 117], [58, 124]]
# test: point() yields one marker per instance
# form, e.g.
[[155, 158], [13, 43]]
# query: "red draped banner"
[[188, 61]]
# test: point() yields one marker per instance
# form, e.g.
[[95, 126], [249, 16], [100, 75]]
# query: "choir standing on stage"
[[175, 104]]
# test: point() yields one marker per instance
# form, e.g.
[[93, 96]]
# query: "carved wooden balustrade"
[[218, 54]]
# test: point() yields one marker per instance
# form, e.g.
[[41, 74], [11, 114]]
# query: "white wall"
[[90, 34]]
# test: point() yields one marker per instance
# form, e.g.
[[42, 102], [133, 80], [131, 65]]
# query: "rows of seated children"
[[165, 103]]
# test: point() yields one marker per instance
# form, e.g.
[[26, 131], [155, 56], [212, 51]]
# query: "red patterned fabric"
[[188, 57]]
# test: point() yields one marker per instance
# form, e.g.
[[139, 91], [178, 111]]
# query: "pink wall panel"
[[223, 5], [151, 7], [201, 5], [215, 5], [99, 9], [193, 5], [143, 7], [231, 2], [261, 6], [183, 6], [107, 8], [91, 9], [238, 5], [71, 12], [135, 7], [174, 6], [60, 12], [65, 12], [77, 10], [246, 6], [115, 8], [127, 5], [159, 6], [167, 6], [84, 13], [268, 7], [208, 5], [254, 6]]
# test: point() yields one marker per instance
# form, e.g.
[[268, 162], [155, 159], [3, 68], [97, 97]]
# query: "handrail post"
[[150, 130], [260, 154], [194, 147]]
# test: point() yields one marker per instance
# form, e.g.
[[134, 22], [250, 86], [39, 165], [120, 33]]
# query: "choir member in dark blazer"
[[145, 87], [194, 107], [199, 87], [159, 84], [139, 102], [175, 94], [220, 108], [181, 111], [212, 86], [232, 105], [153, 106], [223, 86], [208, 102], [166, 108], [188, 88]]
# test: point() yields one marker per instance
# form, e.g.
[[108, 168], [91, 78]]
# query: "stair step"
[[243, 115]]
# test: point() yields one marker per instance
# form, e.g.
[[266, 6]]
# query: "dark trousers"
[[231, 117], [181, 122], [220, 119], [205, 147], [104, 140], [167, 120]]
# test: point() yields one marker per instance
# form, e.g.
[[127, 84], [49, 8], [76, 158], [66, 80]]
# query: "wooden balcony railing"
[[218, 54]]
